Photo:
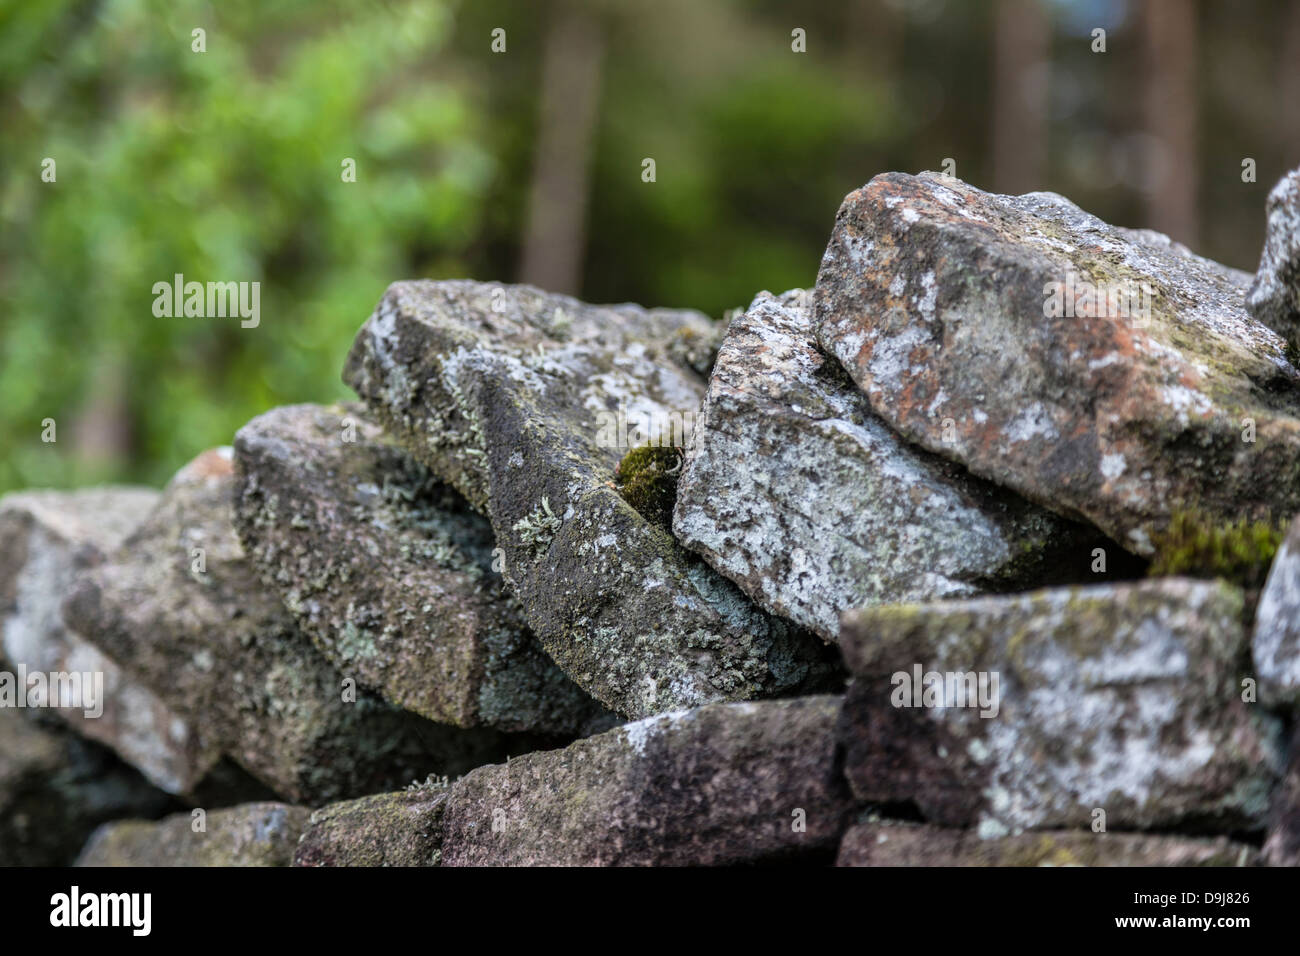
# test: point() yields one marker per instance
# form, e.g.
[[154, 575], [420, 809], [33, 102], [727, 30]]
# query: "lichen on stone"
[[932, 295], [613, 598], [390, 571], [538, 527]]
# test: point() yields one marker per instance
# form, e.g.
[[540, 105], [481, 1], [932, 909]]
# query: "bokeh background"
[[526, 165]]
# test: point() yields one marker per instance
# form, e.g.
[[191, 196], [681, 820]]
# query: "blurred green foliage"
[[226, 166]]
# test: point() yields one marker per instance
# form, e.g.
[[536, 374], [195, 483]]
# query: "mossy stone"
[[647, 480]]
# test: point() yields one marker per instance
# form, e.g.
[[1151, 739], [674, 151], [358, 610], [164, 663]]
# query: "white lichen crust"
[[1274, 297], [976, 326], [1126, 699], [794, 489], [390, 572], [515, 397]]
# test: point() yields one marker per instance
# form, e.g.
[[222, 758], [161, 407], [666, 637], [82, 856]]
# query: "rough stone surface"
[[1276, 644], [895, 844], [720, 784], [1282, 842], [1124, 698], [1274, 297], [389, 571], [934, 296], [514, 397], [526, 530], [253, 834], [222, 650], [46, 537], [794, 489], [388, 829], [55, 788]]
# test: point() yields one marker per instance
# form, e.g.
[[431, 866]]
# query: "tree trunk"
[[1021, 52], [1169, 40], [1289, 85], [555, 240]]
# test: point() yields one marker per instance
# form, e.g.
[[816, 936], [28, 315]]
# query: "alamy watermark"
[[72, 690], [133, 911], [632, 428], [1078, 296], [921, 688], [213, 300]]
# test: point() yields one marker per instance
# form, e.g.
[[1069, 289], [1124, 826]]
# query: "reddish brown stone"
[[935, 297]]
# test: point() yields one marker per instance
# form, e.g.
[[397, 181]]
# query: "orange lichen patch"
[[1104, 372]]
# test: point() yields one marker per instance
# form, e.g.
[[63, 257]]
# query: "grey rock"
[[1120, 698], [389, 571], [1274, 297], [899, 844], [387, 829], [963, 317], [1282, 840], [48, 536], [794, 489], [725, 783], [223, 652], [252, 834], [1276, 643], [56, 788], [522, 401]]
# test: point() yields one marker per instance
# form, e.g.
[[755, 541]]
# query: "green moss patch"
[[1195, 546], [647, 480]]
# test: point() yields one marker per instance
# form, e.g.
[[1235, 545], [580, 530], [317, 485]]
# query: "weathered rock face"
[[1274, 297], [431, 347], [1276, 644], [516, 398], [795, 490], [1282, 840], [1013, 335], [179, 605], [1119, 698], [253, 834], [389, 571], [893, 844], [55, 788], [47, 536], [388, 829], [527, 530], [727, 783]]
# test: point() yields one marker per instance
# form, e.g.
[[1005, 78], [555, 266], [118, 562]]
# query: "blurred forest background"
[[526, 165]]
